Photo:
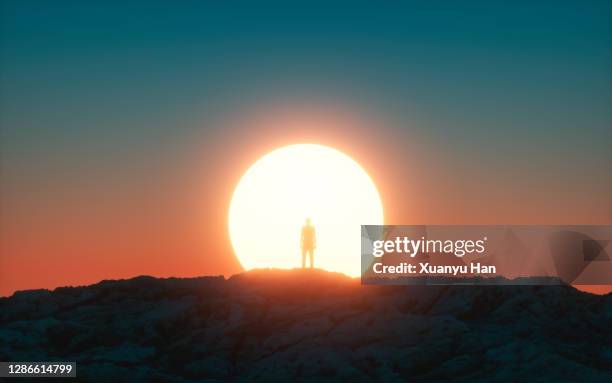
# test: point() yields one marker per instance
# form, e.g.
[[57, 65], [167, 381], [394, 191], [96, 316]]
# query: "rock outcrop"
[[300, 326]]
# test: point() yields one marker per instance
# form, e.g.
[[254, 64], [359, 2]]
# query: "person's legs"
[[303, 258], [311, 254]]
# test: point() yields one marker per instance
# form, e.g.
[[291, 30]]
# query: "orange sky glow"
[[76, 230]]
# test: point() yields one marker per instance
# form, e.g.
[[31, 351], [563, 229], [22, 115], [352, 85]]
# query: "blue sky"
[[525, 86], [520, 66]]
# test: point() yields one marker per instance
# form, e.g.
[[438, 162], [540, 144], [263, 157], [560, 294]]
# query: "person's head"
[[308, 221]]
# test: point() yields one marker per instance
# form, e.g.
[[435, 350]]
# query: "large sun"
[[286, 186]]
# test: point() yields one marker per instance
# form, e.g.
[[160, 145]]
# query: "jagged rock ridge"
[[280, 326]]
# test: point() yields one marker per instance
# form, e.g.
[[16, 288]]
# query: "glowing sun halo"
[[286, 186]]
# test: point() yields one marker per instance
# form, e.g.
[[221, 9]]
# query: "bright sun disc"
[[288, 185]]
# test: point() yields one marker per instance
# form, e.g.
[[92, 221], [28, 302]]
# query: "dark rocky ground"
[[293, 326]]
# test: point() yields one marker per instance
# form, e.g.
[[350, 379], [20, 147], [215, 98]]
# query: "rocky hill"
[[298, 326]]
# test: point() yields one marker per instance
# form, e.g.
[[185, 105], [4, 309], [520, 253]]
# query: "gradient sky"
[[124, 128]]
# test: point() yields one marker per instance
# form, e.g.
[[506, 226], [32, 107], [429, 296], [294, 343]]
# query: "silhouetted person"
[[308, 243]]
